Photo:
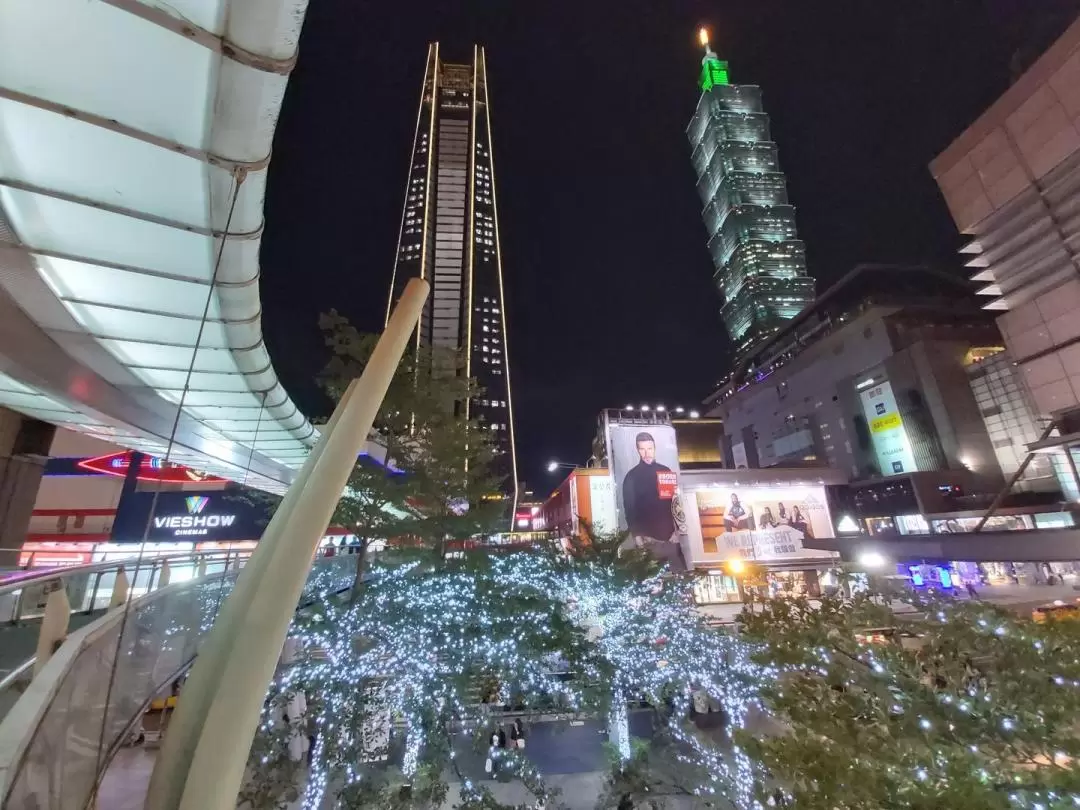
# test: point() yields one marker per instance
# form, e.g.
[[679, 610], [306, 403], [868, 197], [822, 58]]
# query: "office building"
[[450, 236], [760, 264], [869, 380], [1012, 184]]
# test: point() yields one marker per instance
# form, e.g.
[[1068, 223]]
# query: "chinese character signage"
[[890, 439]]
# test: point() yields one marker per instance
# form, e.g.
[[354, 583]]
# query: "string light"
[[413, 648]]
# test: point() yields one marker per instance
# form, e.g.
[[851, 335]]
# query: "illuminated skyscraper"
[[450, 236], [760, 262]]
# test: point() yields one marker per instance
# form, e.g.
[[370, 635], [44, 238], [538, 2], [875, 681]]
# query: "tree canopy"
[[936, 703], [436, 485]]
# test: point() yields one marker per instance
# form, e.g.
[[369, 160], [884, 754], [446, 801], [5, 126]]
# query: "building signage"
[[602, 503], [175, 516], [151, 468], [890, 439], [197, 521]]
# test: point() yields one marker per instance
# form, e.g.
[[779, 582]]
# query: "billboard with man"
[[644, 463]]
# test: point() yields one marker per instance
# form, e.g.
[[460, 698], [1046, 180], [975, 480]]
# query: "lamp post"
[[555, 465]]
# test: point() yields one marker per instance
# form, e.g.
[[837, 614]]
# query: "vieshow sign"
[[219, 515]]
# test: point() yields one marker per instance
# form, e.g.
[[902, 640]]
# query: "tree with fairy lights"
[[433, 485], [957, 705], [394, 680]]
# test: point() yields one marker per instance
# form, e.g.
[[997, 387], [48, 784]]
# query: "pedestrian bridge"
[[58, 738], [135, 138], [1038, 545]]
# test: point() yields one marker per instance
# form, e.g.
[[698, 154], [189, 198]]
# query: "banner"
[[644, 463], [887, 431], [762, 523], [602, 503]]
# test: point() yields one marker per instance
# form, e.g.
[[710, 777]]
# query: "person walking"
[[517, 734], [491, 765], [972, 593]]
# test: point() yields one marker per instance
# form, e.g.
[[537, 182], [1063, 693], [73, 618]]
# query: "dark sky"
[[607, 275]]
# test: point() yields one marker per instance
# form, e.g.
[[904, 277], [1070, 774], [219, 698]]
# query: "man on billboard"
[[648, 490]]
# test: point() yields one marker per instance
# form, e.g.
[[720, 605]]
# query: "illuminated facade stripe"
[[428, 78], [453, 241], [512, 448]]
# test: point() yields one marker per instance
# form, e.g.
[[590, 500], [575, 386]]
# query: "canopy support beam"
[[113, 125]]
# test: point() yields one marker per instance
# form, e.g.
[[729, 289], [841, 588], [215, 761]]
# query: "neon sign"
[[151, 468], [195, 522]]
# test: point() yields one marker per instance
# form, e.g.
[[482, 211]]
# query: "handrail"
[[68, 700], [17, 674], [17, 583]]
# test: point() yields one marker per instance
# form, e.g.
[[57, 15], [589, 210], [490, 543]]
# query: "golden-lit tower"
[[450, 236]]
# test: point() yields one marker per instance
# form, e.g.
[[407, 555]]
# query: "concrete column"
[[54, 626], [24, 445], [246, 641]]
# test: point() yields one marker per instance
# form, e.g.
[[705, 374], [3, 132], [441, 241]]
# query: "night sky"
[[608, 279]]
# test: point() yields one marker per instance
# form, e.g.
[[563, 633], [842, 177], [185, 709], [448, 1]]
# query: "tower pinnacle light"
[[714, 71]]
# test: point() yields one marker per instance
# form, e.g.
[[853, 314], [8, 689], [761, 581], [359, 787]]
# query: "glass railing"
[[57, 740], [90, 587]]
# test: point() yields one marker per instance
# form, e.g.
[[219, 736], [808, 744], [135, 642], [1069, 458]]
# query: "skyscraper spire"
[[703, 38], [714, 70]]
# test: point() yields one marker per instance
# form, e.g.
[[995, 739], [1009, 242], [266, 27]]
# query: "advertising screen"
[[887, 431], [762, 523], [644, 463]]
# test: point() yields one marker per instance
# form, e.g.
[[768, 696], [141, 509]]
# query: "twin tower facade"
[[450, 229], [450, 237]]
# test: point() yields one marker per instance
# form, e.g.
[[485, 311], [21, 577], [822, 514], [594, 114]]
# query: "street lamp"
[[554, 465]]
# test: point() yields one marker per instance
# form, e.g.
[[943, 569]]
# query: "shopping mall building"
[[97, 501]]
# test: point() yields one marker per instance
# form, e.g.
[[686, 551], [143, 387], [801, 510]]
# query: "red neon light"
[[151, 469]]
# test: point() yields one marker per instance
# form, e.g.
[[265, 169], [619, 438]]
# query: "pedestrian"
[[517, 734], [491, 764], [972, 593], [501, 736]]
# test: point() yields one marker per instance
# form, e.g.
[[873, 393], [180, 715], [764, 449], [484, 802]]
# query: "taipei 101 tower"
[[760, 264]]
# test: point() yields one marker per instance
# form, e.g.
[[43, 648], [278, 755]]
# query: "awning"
[[135, 137]]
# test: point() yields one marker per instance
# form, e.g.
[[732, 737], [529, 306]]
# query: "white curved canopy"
[[134, 142]]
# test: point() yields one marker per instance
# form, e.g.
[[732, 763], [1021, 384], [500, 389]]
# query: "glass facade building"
[[1010, 420], [450, 236], [760, 264]]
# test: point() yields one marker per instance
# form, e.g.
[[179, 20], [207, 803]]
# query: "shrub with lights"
[[948, 703], [395, 682], [832, 704]]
